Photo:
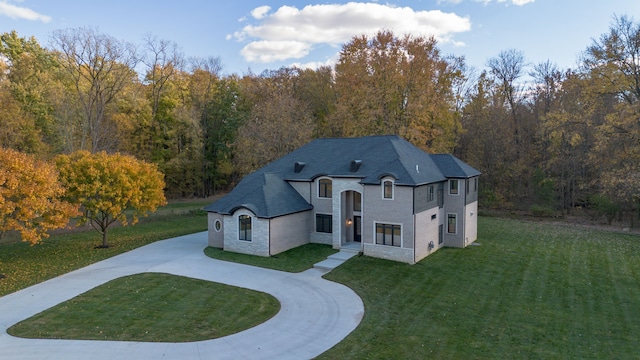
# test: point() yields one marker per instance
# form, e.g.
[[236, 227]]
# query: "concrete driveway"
[[315, 313]]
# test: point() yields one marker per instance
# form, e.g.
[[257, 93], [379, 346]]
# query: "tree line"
[[546, 139]]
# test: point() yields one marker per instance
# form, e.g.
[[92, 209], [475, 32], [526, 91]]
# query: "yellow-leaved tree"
[[31, 198], [111, 187]]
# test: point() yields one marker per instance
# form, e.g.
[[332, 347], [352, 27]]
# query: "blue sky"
[[259, 35]]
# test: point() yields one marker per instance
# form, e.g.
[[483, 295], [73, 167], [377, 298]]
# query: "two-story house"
[[391, 199]]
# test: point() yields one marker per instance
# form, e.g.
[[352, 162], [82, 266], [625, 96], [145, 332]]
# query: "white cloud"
[[522, 2], [17, 12], [260, 12], [268, 51], [514, 2], [335, 24]]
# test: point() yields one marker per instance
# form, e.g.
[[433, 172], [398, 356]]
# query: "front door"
[[357, 229]]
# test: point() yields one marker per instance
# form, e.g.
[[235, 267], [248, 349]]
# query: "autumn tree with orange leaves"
[[31, 197], [111, 188]]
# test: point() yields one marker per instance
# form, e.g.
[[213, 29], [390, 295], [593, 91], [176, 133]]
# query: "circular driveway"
[[315, 313]]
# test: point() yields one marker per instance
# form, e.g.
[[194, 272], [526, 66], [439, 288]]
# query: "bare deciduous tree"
[[100, 66]]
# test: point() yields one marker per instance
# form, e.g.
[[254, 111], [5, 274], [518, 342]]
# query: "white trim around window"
[[388, 189], [217, 225]]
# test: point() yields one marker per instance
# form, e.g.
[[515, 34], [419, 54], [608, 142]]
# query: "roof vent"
[[355, 165], [298, 166]]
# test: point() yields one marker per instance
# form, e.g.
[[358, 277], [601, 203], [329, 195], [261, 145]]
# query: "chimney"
[[298, 166], [355, 165]]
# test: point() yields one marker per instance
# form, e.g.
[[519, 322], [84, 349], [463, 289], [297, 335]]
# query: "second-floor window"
[[453, 187], [387, 191], [430, 194], [324, 188]]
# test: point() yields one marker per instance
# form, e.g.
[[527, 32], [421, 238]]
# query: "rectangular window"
[[324, 223], [388, 189], [388, 234], [451, 223], [440, 198], [466, 186], [430, 194], [440, 234], [357, 201], [324, 188], [475, 184], [453, 187], [244, 222]]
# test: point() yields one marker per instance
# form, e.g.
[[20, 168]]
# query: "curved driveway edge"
[[315, 313]]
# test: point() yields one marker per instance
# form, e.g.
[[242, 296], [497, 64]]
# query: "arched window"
[[324, 188], [244, 227], [387, 189]]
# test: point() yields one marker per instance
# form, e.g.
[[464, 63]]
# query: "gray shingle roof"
[[452, 167], [267, 194]]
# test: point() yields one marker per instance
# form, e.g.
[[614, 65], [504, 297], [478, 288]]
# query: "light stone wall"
[[471, 223], [322, 205], [216, 238], [399, 211], [321, 238], [426, 231], [304, 188], [389, 253], [396, 211], [259, 245], [340, 228], [290, 231]]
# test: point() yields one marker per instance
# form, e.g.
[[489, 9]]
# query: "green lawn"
[[25, 265], [528, 291], [294, 260], [152, 307]]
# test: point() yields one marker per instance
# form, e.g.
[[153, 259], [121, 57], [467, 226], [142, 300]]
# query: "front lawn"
[[152, 307], [528, 291], [25, 265]]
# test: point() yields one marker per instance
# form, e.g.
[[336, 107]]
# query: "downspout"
[[464, 212], [414, 223], [269, 237]]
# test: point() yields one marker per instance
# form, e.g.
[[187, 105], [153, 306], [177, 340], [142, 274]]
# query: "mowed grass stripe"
[[531, 290], [152, 307]]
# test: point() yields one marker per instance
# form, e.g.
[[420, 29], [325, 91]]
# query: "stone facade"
[[259, 244]]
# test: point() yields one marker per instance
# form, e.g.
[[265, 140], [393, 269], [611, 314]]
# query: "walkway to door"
[[347, 251]]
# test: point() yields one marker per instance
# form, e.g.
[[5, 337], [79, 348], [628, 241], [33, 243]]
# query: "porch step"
[[335, 260]]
